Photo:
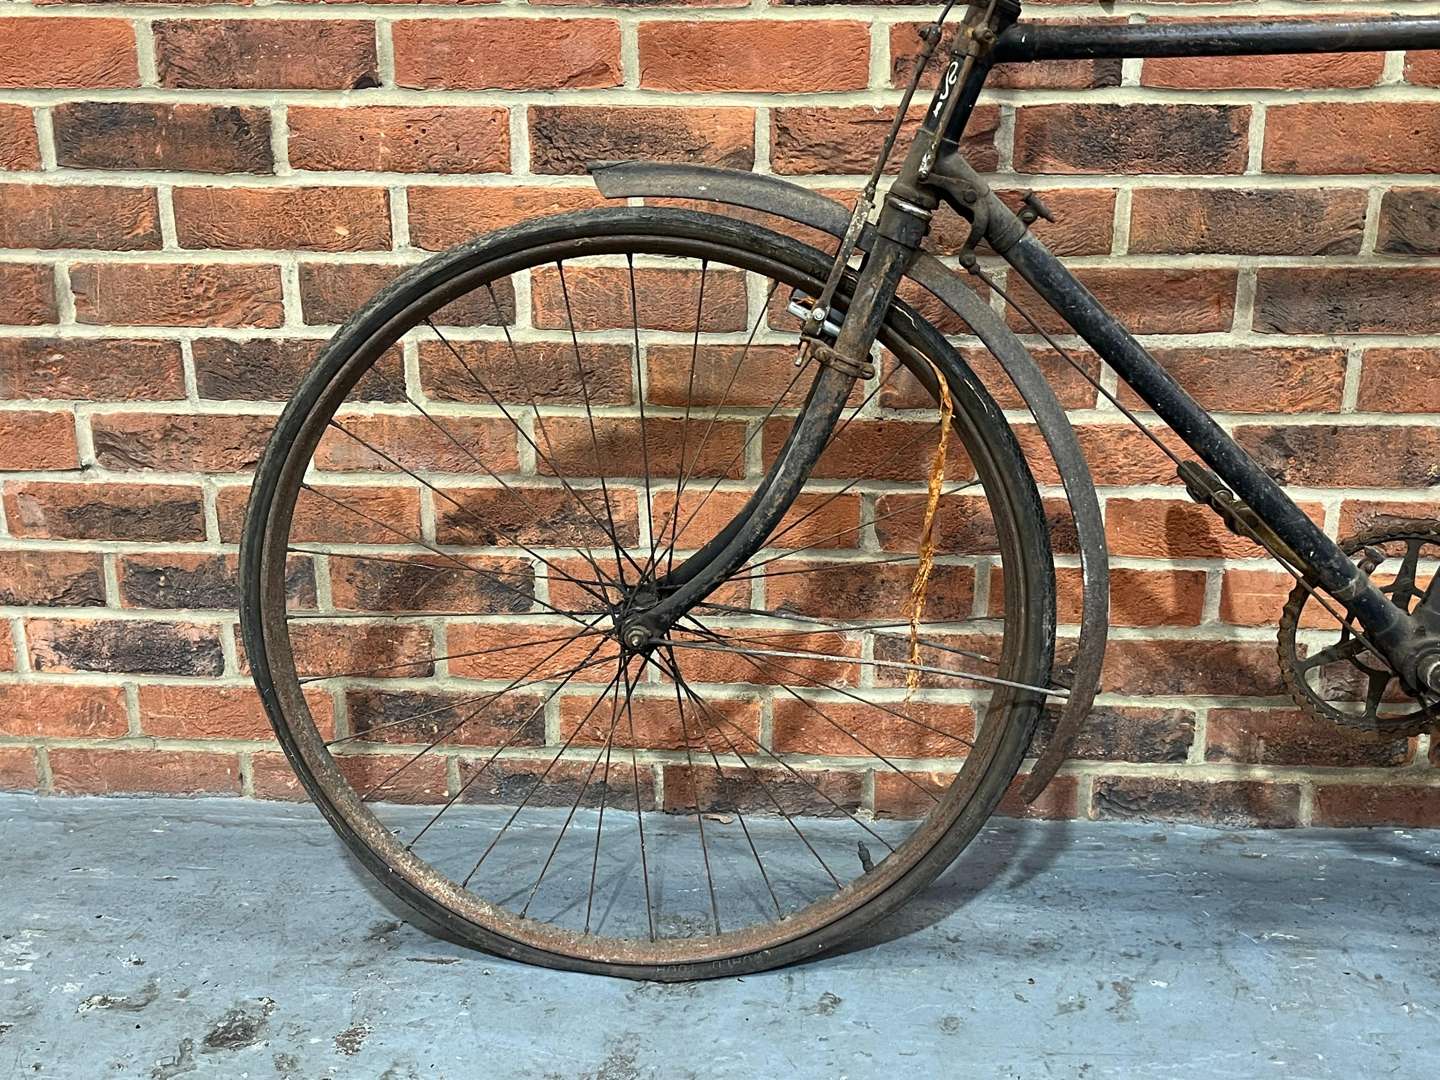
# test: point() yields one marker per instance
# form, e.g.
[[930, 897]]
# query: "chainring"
[[1378, 678]]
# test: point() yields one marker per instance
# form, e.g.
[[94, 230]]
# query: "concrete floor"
[[163, 939]]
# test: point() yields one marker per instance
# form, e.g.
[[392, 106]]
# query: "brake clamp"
[[825, 355]]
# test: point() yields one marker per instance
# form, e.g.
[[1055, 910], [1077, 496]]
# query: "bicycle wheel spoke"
[[458, 505], [436, 551], [590, 419], [699, 817], [614, 681], [759, 780], [640, 401], [527, 644], [509, 740], [523, 369], [569, 817], [639, 817], [466, 719]]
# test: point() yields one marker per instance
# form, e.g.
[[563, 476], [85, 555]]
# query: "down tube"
[[1387, 624]]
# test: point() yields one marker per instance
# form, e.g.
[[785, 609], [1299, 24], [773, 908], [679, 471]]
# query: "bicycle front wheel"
[[520, 443]]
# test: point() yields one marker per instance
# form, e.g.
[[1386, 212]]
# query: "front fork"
[[902, 226]]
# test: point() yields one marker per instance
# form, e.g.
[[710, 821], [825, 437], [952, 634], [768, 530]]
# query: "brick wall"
[[195, 194]]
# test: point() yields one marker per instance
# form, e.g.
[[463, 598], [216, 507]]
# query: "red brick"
[[1162, 529], [1256, 597], [1137, 597], [1258, 380], [270, 774], [600, 298], [158, 772], [1180, 667], [1414, 806], [548, 517], [913, 796], [265, 54], [37, 440], [182, 137], [762, 55], [310, 219], [43, 53], [830, 666], [170, 294], [656, 723], [754, 376], [564, 139], [914, 729], [897, 450], [55, 578], [511, 650], [625, 450], [104, 511], [1084, 222], [1163, 301], [522, 372], [111, 218], [393, 138], [1118, 454], [811, 522], [1400, 381], [1358, 137], [905, 45], [332, 292], [52, 711], [19, 148], [1422, 68], [413, 443], [398, 651], [430, 583], [1132, 138], [763, 791], [847, 139], [17, 769], [269, 369], [867, 590], [222, 443], [442, 216], [318, 519], [1303, 72], [90, 370], [216, 712], [507, 54], [27, 295]]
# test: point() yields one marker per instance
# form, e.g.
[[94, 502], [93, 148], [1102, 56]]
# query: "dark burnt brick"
[[1229, 221], [265, 54], [180, 137], [78, 216], [1131, 138], [1180, 668], [91, 370], [522, 371], [1289, 737], [183, 580], [331, 292], [432, 584], [822, 793], [1410, 222], [105, 511], [469, 719], [1121, 733], [52, 578], [507, 782], [564, 139], [846, 140], [1347, 300], [1236, 803], [1340, 455], [124, 646], [1414, 806], [269, 369]]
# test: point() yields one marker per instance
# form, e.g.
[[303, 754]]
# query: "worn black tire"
[[1019, 520]]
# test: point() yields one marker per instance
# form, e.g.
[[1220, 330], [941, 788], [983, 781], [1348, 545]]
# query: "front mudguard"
[[771, 195]]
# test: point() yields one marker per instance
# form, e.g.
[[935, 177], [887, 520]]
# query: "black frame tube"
[[1028, 42]]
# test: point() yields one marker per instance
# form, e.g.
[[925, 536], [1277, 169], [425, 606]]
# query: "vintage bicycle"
[[685, 600]]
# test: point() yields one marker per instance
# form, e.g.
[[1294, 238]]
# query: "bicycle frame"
[[1391, 629]]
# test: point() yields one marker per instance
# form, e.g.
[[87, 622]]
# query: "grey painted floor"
[[163, 939]]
